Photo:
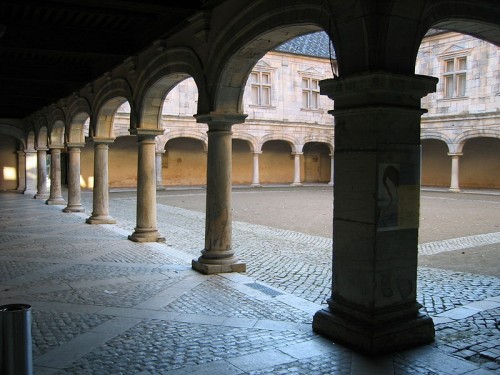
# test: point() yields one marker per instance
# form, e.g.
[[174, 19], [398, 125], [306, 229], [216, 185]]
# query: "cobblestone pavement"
[[104, 305]]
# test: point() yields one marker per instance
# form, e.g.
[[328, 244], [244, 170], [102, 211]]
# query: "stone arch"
[[252, 140], [425, 135], [436, 164], [479, 19], [108, 99], [78, 115], [30, 140], [57, 125], [56, 137], [295, 145], [42, 133], [475, 133], [15, 132], [480, 162], [186, 133], [160, 76], [317, 161], [320, 139], [242, 44], [185, 159]]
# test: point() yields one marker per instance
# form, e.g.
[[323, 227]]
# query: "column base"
[[296, 184], [146, 235], [377, 338], [74, 208], [41, 196], [30, 192], [454, 190], [100, 220], [55, 201], [210, 269], [255, 185]]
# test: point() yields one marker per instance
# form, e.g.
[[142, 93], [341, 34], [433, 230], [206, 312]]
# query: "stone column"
[[146, 228], [74, 189], [296, 169], [255, 170], [21, 171], [373, 305], [332, 169], [31, 172], [42, 191], [218, 255], [55, 197], [100, 204], [455, 180], [159, 169]]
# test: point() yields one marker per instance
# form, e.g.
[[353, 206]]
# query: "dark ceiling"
[[49, 49]]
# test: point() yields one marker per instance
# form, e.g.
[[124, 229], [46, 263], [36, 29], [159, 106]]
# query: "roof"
[[315, 44]]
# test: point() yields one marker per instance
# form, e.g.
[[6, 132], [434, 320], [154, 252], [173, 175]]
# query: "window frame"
[[455, 79], [261, 87], [311, 92]]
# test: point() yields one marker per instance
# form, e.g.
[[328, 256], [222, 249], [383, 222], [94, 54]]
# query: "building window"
[[261, 88], [455, 76], [310, 93]]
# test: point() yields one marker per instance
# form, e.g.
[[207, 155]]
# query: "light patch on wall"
[[90, 183], [82, 182], [9, 174]]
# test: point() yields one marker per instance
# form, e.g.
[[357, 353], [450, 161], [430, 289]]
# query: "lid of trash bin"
[[14, 307]]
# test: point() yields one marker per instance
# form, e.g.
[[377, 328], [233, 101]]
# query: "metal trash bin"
[[15, 340]]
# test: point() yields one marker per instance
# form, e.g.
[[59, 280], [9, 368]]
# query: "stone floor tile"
[[217, 367], [362, 365], [311, 348], [437, 360], [260, 360]]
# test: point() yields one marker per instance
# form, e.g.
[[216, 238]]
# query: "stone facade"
[[276, 131]]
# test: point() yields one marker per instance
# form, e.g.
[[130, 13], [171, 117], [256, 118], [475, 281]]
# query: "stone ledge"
[[210, 269]]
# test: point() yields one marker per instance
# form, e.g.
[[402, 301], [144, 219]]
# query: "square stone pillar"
[[373, 305], [218, 255]]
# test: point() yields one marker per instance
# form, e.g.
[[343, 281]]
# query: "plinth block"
[[74, 209], [146, 236], [55, 202], [100, 220], [210, 269], [375, 339]]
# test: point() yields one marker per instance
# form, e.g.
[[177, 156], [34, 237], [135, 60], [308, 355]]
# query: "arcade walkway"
[[102, 304]]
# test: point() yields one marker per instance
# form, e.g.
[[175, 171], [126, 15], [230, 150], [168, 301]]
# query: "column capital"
[[220, 121], [378, 88], [103, 141], [42, 149], [455, 153], [56, 146], [146, 133], [75, 145]]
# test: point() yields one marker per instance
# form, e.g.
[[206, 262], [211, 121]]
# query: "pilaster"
[[373, 305], [21, 171], [218, 255]]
